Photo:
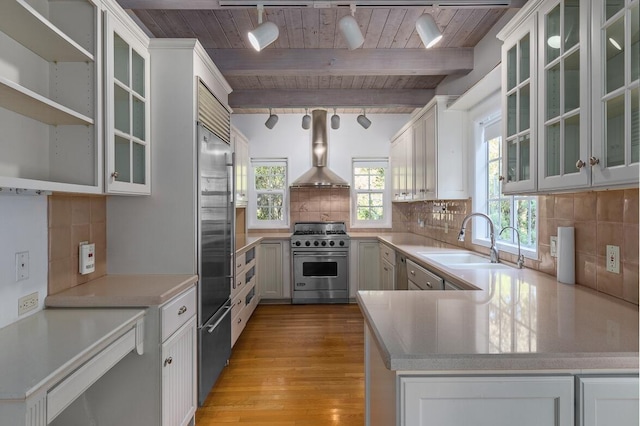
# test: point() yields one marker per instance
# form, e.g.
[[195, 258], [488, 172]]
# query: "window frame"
[[386, 222], [252, 205], [481, 116]]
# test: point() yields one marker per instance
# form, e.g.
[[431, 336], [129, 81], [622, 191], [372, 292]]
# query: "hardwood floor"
[[294, 365]]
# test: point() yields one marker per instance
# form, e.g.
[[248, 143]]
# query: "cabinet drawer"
[[236, 305], [240, 262], [422, 278], [388, 254], [177, 311]]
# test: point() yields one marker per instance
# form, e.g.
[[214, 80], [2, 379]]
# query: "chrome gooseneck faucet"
[[493, 250], [520, 256]]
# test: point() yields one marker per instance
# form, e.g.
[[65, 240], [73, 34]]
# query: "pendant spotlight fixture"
[[335, 120], [264, 34], [350, 30], [271, 121], [363, 120], [428, 29], [306, 119]]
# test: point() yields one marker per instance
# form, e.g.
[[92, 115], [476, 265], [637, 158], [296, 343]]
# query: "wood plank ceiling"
[[309, 64]]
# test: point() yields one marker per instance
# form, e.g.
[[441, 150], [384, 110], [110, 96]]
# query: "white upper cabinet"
[[616, 103], [563, 127], [519, 88], [401, 166], [50, 97], [127, 108], [241, 151]]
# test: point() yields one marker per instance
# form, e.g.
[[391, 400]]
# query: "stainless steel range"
[[320, 262]]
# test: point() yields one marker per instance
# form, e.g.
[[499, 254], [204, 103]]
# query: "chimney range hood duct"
[[319, 176]]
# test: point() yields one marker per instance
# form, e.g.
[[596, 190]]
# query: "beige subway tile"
[[60, 275], [303, 194], [325, 205], [608, 234], [79, 233], [586, 270], [98, 234], [545, 206], [313, 205], [630, 214], [82, 279], [608, 282], [98, 209], [303, 206], [629, 249], [547, 263], [293, 194], [610, 206], [584, 206], [546, 228], [80, 210], [585, 237], [59, 209], [630, 282], [59, 243], [563, 208]]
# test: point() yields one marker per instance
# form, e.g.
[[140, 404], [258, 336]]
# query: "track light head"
[[335, 120], [350, 30], [306, 120], [264, 34], [363, 120], [428, 30], [271, 121]]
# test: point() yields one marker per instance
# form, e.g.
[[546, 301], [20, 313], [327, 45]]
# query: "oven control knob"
[[298, 243], [341, 243], [332, 243], [315, 243], [324, 243], [307, 243]]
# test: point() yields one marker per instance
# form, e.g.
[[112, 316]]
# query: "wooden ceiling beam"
[[330, 98], [360, 62]]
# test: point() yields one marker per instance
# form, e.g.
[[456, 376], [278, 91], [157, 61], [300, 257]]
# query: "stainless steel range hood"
[[319, 176]]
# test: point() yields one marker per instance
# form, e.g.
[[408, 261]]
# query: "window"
[[371, 193], [519, 211], [269, 177]]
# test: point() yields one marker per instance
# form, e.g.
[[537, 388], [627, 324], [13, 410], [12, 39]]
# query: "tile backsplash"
[[73, 219], [319, 205], [600, 218]]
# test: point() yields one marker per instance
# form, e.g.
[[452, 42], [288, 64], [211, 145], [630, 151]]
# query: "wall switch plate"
[[553, 243], [87, 258], [613, 259], [27, 303], [22, 265]]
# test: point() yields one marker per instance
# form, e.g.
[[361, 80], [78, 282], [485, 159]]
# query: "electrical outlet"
[[22, 265], [613, 259], [553, 243], [27, 303]]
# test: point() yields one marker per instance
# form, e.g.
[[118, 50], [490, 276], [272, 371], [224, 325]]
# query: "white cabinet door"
[[387, 275], [487, 401], [420, 166], [179, 376], [402, 179], [127, 113], [270, 270], [604, 401], [241, 149], [368, 265]]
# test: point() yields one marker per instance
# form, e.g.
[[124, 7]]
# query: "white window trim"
[[387, 222], [477, 115], [252, 220]]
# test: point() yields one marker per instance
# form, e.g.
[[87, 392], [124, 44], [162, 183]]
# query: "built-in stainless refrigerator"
[[215, 254]]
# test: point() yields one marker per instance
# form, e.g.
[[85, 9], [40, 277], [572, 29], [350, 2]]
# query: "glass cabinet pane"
[[571, 23], [524, 58], [525, 163], [121, 109], [512, 160], [553, 150], [512, 68], [635, 125], [138, 118], [571, 143], [613, 6], [615, 55], [635, 45], [552, 35], [553, 92], [138, 163], [512, 113], [572, 82], [120, 60], [525, 108], [615, 132], [122, 160], [137, 73]]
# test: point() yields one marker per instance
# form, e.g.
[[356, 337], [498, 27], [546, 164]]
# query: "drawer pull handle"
[[385, 268], [429, 284], [412, 272], [182, 310], [168, 361], [238, 265], [239, 320]]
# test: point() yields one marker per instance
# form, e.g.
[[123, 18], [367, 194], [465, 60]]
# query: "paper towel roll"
[[566, 255]]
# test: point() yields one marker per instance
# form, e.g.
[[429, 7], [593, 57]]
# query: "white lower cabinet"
[[609, 400], [487, 401], [244, 294], [387, 275], [367, 257], [178, 373], [274, 272]]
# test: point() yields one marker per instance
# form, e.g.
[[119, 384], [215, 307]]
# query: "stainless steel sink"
[[462, 260]]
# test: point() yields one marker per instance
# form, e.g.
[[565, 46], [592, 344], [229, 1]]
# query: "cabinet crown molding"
[[523, 15]]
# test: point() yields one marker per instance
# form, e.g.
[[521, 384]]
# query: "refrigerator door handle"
[[210, 328]]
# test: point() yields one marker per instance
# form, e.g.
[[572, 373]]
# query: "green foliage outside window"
[[270, 184], [369, 185]]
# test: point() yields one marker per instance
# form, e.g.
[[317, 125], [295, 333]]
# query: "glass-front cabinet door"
[[616, 103], [519, 89], [563, 117], [127, 110]]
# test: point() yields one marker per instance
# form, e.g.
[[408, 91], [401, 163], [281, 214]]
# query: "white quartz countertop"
[[43, 348], [123, 291], [518, 319]]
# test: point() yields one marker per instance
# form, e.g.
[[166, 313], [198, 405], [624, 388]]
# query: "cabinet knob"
[[115, 175], [429, 284], [412, 272], [580, 164], [385, 268], [500, 178], [239, 320], [593, 161], [182, 310], [168, 361]]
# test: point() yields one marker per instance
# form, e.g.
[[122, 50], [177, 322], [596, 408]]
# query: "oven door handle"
[[321, 254]]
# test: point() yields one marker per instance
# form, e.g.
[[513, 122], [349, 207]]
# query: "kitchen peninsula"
[[522, 349]]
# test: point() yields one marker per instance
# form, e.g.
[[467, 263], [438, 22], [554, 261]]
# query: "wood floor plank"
[[293, 365]]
